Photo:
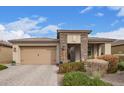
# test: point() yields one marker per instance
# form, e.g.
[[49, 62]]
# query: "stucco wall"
[[16, 53], [107, 48], [5, 54], [73, 38]]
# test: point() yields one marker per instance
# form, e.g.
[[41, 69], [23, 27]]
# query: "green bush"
[[98, 82], [121, 66], [113, 62], [13, 62], [72, 66], [81, 79], [3, 67]]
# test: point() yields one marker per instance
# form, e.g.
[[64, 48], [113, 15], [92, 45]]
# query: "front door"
[[72, 54]]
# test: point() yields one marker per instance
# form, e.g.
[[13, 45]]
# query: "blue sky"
[[36, 21]]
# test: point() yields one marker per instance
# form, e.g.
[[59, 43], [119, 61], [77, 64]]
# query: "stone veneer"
[[84, 46], [63, 46]]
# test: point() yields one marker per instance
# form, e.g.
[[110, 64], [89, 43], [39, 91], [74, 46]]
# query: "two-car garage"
[[38, 55], [35, 51]]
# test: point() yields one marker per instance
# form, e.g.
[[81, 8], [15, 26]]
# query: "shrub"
[[98, 82], [81, 79], [72, 66], [121, 66], [96, 67], [3, 67], [113, 62], [13, 63]]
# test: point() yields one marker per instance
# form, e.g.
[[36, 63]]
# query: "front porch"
[[98, 49], [94, 50]]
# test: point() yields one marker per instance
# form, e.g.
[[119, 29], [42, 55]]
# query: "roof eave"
[[74, 31]]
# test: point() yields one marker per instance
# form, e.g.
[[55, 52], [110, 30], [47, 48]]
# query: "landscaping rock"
[[96, 67]]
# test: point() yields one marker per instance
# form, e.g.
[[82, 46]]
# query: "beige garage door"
[[38, 55]]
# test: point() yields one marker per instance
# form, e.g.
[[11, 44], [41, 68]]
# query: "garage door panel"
[[38, 55]]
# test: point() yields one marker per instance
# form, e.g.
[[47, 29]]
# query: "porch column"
[[95, 51], [100, 49], [57, 53], [107, 48], [63, 47], [84, 46]]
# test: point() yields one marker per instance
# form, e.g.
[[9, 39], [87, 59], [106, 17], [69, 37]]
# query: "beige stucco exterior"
[[16, 54], [73, 38], [95, 50], [5, 54], [107, 48]]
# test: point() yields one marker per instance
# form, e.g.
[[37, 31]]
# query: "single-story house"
[[5, 52], [70, 45], [118, 48]]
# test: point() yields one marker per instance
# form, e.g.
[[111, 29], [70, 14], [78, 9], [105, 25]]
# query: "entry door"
[[72, 54]]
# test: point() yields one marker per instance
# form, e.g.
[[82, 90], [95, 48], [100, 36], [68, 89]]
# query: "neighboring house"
[[5, 52], [118, 48], [70, 45]]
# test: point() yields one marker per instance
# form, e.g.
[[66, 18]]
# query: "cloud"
[[27, 27], [119, 9], [99, 14], [49, 28], [86, 10], [115, 22], [115, 34], [91, 25], [25, 24], [7, 35], [2, 28]]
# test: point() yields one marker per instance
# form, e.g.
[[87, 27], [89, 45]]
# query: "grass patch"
[[2, 67], [81, 79]]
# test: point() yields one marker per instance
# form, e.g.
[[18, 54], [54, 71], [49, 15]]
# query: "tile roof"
[[97, 39], [90, 39], [34, 40], [74, 31]]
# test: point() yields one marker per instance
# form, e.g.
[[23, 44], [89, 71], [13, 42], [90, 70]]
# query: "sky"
[[43, 21]]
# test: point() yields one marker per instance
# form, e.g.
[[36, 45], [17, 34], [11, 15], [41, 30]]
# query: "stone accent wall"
[[63, 47], [84, 46]]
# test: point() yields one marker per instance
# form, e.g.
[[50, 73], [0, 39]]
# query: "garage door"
[[38, 55]]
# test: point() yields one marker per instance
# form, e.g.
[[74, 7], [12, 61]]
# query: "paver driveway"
[[29, 75]]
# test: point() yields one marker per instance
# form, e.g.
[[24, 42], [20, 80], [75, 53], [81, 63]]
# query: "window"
[[90, 51]]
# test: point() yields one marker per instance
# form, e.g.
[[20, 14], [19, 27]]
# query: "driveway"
[[29, 75], [116, 79]]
